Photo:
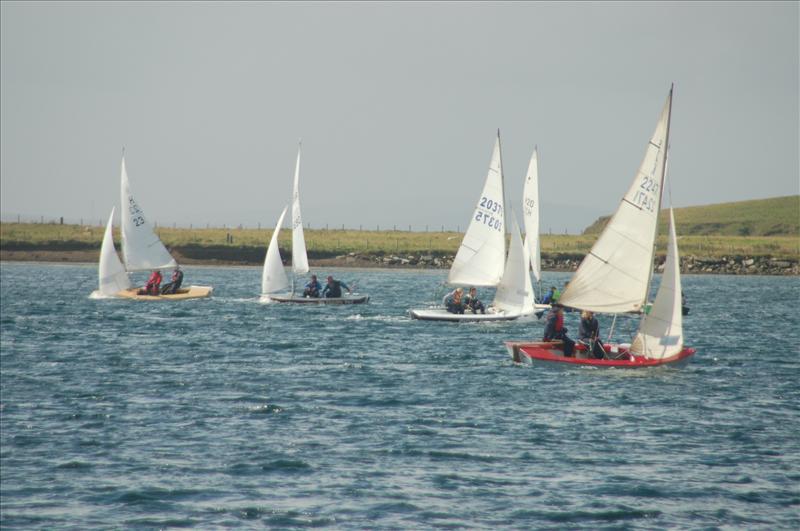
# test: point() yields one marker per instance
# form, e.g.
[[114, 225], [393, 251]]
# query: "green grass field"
[[388, 242], [778, 216]]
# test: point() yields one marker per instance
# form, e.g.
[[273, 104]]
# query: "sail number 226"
[[487, 217]]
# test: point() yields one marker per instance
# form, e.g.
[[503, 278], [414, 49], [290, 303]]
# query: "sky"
[[397, 105]]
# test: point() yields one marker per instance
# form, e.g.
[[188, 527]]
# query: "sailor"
[[589, 333], [454, 302], [334, 288], [548, 297], [555, 329], [312, 288], [175, 283], [153, 284], [471, 301]]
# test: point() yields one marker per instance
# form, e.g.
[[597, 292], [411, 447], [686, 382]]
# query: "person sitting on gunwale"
[[175, 283], [312, 288], [153, 284], [454, 302], [334, 288], [555, 329]]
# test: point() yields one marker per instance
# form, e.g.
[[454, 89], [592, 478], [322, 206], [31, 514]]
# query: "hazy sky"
[[397, 105]]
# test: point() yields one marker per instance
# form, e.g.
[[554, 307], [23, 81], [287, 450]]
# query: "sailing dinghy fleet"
[[614, 278]]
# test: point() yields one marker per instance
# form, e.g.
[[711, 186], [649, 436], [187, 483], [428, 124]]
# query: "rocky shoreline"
[[225, 255]]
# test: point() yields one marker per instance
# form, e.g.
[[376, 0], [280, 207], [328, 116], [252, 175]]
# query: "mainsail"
[[273, 276], [515, 293], [142, 249], [481, 257], [530, 209], [111, 273], [299, 256], [615, 276], [660, 333]]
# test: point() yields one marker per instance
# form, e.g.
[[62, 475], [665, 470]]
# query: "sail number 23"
[[137, 216], [486, 216]]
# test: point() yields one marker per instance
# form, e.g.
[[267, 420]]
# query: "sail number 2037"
[[487, 211]]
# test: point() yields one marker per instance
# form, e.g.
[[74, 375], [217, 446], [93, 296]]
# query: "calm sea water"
[[229, 413]]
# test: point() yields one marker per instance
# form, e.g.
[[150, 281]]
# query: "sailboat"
[[615, 277], [271, 280], [530, 209], [481, 258], [142, 251]]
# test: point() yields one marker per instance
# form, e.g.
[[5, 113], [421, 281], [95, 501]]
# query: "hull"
[[551, 353], [321, 300], [192, 292], [440, 314]]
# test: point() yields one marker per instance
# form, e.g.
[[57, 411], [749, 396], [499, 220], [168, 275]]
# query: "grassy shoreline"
[[75, 243]]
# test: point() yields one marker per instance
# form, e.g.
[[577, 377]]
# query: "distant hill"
[[778, 216]]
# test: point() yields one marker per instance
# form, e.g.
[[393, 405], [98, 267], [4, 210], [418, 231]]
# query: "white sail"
[[660, 333], [615, 276], [530, 203], [142, 249], [111, 273], [514, 293], [481, 257], [273, 276], [299, 256]]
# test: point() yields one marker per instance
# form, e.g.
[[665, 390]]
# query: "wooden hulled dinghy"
[[192, 292]]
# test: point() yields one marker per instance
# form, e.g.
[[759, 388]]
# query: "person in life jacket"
[[550, 296], [334, 288], [454, 301], [175, 283], [153, 284], [555, 329]]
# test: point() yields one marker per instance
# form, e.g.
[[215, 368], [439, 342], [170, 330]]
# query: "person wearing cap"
[[454, 301], [175, 282], [555, 330], [334, 288]]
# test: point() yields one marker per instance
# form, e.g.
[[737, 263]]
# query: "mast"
[[503, 187], [660, 196]]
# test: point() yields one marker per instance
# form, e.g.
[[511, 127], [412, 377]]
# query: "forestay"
[[273, 276], [515, 292], [112, 274], [141, 248], [660, 333], [481, 257], [530, 210], [299, 256], [614, 277]]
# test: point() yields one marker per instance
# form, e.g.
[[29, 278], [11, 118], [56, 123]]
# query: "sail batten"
[[619, 281], [141, 247], [480, 259]]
